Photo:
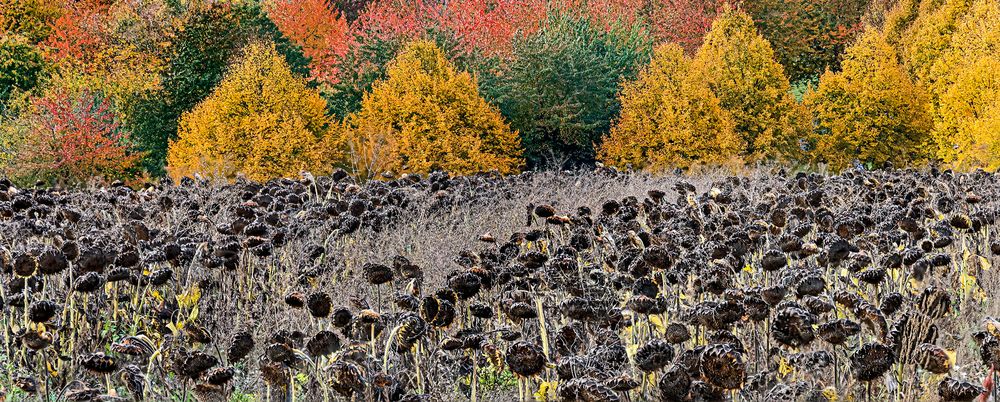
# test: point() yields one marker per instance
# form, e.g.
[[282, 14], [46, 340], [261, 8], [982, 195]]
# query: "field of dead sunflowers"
[[592, 286]]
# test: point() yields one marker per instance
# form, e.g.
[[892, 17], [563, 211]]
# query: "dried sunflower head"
[[723, 366], [951, 389], [525, 359], [872, 360], [654, 355]]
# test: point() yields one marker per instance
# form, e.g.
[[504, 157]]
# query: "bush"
[[669, 120], [871, 112], [560, 90], [71, 138], [21, 67], [739, 66], [261, 121], [426, 116]]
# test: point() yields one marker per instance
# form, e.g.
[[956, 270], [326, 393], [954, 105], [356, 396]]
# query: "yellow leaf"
[[657, 323], [831, 394], [784, 368], [546, 391]]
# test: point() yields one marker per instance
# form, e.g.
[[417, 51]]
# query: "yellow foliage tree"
[[872, 112], [260, 121], [967, 91], [929, 36], [669, 119], [740, 68], [426, 115]]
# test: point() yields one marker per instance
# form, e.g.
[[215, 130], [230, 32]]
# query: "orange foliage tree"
[[684, 22], [72, 137], [669, 120], [321, 31], [425, 116], [261, 121]]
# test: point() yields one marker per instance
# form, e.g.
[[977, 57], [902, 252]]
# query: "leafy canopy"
[[560, 90], [669, 119], [426, 115], [872, 112], [261, 121], [739, 67]]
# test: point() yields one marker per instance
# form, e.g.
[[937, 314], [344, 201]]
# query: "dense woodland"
[[137, 89]]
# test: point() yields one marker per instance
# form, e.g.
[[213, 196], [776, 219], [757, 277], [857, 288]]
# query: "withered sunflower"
[[319, 304], [872, 360], [240, 346], [951, 389], [98, 363], [654, 355], [525, 359], [723, 366]]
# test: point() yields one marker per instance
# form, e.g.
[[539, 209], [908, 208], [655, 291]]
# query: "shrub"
[[560, 89], [669, 120], [871, 112], [70, 138], [261, 121], [739, 66], [425, 116], [21, 67]]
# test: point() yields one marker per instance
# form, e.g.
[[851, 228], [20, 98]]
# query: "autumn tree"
[[684, 22], [739, 67], [966, 89], [929, 36], [208, 38], [872, 112], [669, 119], [32, 19], [71, 138], [560, 89], [426, 115], [261, 121], [21, 67], [808, 36], [320, 30], [351, 9]]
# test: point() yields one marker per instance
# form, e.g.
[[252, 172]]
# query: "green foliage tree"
[[872, 112], [261, 121], [560, 89], [203, 46], [21, 67], [669, 119], [739, 66]]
